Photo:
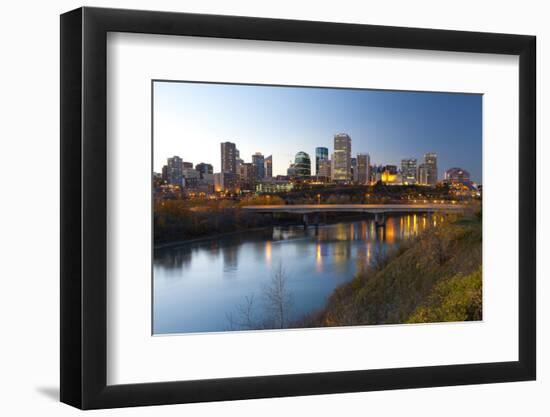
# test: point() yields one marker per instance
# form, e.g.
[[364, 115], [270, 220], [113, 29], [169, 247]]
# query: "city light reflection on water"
[[197, 284]]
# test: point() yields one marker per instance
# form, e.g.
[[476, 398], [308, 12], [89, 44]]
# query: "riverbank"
[[329, 221], [435, 278], [174, 244]]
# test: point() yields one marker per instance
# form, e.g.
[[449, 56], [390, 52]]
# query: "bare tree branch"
[[278, 299]]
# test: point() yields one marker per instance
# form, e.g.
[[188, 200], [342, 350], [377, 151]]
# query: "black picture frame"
[[84, 207]]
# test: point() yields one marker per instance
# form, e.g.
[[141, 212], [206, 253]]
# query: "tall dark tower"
[[321, 154], [430, 162], [229, 157], [341, 160]]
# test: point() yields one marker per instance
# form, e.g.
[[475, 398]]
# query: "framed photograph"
[[256, 208]]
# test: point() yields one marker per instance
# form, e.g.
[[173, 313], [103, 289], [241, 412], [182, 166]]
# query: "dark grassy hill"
[[432, 279]]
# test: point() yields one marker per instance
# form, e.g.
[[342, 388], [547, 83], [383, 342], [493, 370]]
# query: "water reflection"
[[268, 252], [318, 258], [197, 284]]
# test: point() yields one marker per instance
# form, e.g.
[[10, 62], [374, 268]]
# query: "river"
[[203, 286]]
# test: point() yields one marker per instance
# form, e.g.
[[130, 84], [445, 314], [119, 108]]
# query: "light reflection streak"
[[268, 252], [318, 258]]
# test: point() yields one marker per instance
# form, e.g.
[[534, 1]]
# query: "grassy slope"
[[435, 278]]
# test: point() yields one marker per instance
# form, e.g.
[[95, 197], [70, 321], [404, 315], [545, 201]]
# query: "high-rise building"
[[324, 169], [226, 181], [392, 169], [376, 173], [174, 170], [268, 167], [218, 182], [302, 165], [341, 159], [190, 177], [258, 161], [247, 176], [204, 168], [409, 171], [207, 179], [354, 169], [430, 160], [291, 171], [238, 161], [165, 173], [321, 154], [229, 157], [188, 165], [423, 174], [363, 168]]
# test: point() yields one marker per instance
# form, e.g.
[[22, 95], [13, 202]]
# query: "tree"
[[244, 319], [441, 242], [278, 299], [277, 307]]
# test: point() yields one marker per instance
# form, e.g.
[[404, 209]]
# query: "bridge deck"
[[355, 208]]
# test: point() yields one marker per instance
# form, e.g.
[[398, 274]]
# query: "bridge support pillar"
[[430, 216], [381, 234], [316, 219], [305, 220], [380, 219]]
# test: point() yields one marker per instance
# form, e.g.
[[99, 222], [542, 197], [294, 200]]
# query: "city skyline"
[[344, 169], [409, 130]]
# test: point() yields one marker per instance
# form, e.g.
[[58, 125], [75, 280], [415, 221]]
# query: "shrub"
[[456, 299]]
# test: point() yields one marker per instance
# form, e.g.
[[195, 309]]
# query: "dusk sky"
[[191, 119]]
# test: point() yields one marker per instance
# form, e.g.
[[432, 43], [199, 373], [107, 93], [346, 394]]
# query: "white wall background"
[[29, 209]]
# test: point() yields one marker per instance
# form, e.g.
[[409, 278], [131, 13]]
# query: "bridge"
[[378, 210]]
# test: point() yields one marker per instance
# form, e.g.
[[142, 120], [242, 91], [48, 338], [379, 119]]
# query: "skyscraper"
[[363, 168], [248, 176], [341, 160], [204, 168], [258, 161], [291, 171], [324, 169], [423, 174], [409, 171], [354, 169], [321, 154], [268, 167], [191, 177], [175, 170], [238, 161], [302, 165], [392, 169], [430, 160], [226, 181], [229, 157]]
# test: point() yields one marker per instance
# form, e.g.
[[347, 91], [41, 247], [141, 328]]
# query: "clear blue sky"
[[191, 119]]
